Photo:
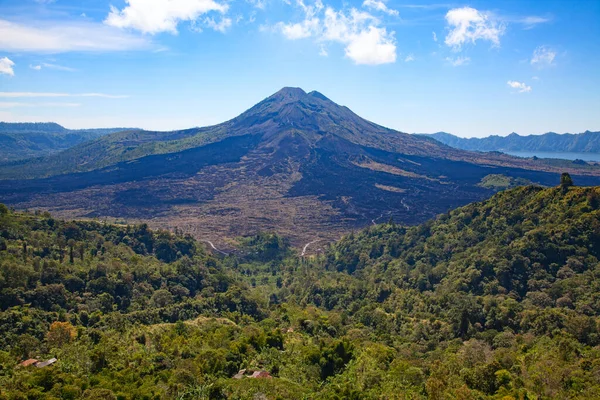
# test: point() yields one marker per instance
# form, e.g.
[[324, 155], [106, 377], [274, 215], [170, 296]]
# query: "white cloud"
[[530, 22], [409, 58], [379, 5], [469, 25], [521, 87], [323, 51], [458, 61], [371, 47], [434, 36], [261, 4], [310, 26], [543, 56], [61, 36], [36, 105], [52, 66], [155, 16], [6, 66], [220, 26], [300, 30], [365, 41], [14, 95]]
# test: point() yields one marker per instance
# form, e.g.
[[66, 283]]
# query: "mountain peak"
[[290, 92], [294, 94]]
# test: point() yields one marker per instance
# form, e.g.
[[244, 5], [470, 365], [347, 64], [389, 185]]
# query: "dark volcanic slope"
[[296, 163]]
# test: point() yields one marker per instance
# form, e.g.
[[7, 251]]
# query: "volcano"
[[296, 163]]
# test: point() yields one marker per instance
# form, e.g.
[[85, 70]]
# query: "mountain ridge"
[[21, 141], [585, 142]]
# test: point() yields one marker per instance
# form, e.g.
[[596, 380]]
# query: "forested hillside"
[[495, 300], [26, 140]]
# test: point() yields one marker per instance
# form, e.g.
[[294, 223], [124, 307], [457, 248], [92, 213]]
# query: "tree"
[[162, 298], [71, 244], [565, 181], [60, 333]]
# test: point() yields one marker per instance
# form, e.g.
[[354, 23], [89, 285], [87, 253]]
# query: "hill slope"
[[586, 142], [28, 140], [495, 300], [296, 163], [520, 241]]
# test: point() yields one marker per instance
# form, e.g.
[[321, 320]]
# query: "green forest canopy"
[[495, 300]]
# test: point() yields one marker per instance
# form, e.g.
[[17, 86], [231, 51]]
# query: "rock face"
[[296, 163]]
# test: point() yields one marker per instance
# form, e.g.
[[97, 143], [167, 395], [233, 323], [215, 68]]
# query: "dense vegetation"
[[497, 300], [26, 140], [586, 142]]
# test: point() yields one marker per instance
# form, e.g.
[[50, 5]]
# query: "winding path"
[[405, 205], [374, 221], [215, 248], [306, 246]]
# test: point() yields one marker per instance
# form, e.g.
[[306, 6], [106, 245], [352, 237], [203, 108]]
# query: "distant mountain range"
[[586, 142], [27, 140], [296, 163]]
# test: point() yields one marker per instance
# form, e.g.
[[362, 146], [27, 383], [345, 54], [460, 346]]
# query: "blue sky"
[[472, 69]]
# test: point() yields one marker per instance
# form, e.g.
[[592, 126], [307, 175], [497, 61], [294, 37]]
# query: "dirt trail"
[[405, 205], [306, 246], [215, 248]]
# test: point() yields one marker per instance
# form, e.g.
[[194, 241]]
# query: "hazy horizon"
[[83, 127]]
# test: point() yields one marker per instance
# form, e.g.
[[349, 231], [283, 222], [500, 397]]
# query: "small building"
[[244, 373], [261, 375], [46, 363], [28, 363]]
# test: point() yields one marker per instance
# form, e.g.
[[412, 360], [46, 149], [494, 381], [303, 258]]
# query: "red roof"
[[27, 363], [261, 374]]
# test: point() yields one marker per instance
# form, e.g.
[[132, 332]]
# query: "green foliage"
[[265, 247], [499, 181], [494, 300], [565, 180]]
